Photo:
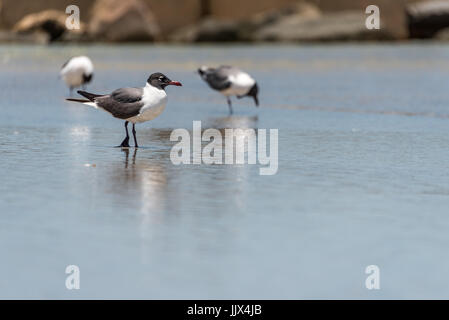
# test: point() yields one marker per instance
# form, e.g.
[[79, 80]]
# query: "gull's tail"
[[88, 95], [90, 101], [78, 100]]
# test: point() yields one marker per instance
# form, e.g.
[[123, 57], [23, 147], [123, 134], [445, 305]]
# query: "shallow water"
[[363, 177]]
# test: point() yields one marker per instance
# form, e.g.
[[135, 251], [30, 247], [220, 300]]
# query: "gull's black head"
[[159, 80], [203, 70], [253, 93], [87, 78]]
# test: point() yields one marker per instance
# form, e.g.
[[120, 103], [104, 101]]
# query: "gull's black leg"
[[230, 105], [125, 142], [134, 134]]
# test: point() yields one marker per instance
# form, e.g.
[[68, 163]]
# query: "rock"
[[209, 30], [426, 19], [216, 30], [14, 10], [292, 23], [34, 38], [392, 13], [339, 26], [167, 11], [242, 9], [51, 22], [2, 25], [250, 27], [174, 14], [116, 20], [442, 35]]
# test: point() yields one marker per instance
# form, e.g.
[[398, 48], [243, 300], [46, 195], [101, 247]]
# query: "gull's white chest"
[[73, 77], [154, 101]]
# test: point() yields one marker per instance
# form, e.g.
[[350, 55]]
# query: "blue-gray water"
[[363, 177]]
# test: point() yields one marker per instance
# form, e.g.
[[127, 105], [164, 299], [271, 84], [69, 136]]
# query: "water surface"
[[363, 177]]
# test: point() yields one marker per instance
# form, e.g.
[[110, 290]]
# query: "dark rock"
[[425, 19], [442, 35], [50, 22]]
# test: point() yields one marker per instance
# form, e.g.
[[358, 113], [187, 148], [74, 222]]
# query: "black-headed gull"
[[77, 72], [133, 105], [230, 81]]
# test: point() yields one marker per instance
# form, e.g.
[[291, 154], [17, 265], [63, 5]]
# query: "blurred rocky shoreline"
[[191, 21]]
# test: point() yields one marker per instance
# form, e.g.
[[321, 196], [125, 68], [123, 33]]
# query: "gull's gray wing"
[[218, 79], [127, 95], [123, 103]]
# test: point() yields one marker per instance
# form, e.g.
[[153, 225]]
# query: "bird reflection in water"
[[126, 151], [237, 174], [146, 182], [140, 182], [234, 122]]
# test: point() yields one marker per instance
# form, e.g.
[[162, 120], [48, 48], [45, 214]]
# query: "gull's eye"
[[161, 78]]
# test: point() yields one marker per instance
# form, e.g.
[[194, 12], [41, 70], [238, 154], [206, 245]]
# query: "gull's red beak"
[[175, 83]]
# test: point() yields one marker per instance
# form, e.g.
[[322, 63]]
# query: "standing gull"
[[133, 104], [230, 81], [77, 72]]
